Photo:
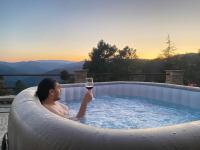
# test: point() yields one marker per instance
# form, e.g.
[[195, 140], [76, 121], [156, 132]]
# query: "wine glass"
[[89, 84]]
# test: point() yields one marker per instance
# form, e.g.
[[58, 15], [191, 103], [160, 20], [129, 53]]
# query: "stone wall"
[[174, 76]]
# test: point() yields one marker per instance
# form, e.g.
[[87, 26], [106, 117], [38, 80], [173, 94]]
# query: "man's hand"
[[88, 97]]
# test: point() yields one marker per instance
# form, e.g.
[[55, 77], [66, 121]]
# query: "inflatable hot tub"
[[33, 127]]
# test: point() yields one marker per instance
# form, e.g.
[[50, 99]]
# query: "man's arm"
[[87, 98]]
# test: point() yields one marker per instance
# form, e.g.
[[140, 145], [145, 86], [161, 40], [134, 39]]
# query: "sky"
[[69, 29]]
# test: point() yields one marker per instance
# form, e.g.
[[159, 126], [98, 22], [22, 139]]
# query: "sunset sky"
[[69, 29]]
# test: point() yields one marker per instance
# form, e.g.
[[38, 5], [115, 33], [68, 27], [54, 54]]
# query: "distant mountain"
[[35, 67], [54, 61], [69, 67], [40, 66], [53, 64], [7, 69]]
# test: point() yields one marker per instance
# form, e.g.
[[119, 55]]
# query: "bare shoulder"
[[62, 105], [50, 108]]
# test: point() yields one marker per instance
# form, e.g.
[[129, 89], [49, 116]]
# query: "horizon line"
[[29, 60]]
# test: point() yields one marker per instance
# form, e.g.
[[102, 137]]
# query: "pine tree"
[[169, 51], [19, 86], [64, 75]]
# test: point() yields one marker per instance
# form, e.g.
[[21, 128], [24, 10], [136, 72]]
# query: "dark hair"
[[43, 88]]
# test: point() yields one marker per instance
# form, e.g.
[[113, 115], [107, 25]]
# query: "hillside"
[[35, 67], [69, 67]]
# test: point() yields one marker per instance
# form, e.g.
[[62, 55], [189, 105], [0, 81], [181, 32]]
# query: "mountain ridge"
[[36, 67]]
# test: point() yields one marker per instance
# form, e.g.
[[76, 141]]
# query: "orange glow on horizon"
[[78, 57], [75, 59], [151, 50]]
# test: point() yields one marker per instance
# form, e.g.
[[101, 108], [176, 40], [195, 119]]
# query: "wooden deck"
[[4, 112], [8, 99], [5, 103]]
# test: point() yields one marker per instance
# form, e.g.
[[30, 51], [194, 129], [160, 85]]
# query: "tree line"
[[108, 59], [109, 63]]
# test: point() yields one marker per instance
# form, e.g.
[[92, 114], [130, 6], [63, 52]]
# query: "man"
[[49, 91]]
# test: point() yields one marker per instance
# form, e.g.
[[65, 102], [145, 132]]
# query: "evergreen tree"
[[169, 51], [108, 59], [19, 86], [64, 75]]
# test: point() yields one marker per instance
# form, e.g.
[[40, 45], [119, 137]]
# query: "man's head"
[[48, 89]]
